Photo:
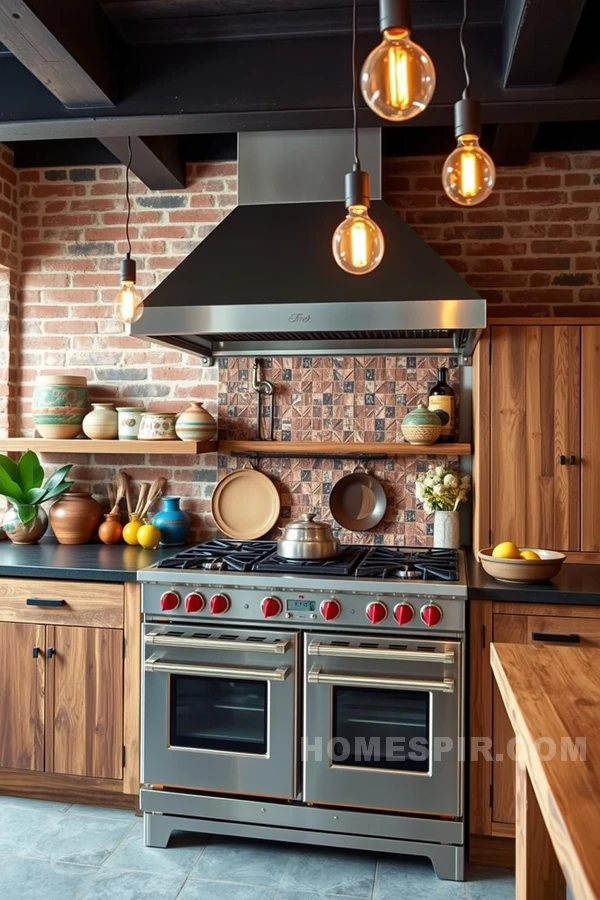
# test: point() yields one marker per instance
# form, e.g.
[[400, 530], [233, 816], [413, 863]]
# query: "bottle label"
[[446, 405]]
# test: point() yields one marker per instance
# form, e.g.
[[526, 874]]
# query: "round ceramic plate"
[[245, 504]]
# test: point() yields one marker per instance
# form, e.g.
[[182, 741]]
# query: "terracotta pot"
[[25, 534], [157, 426], [195, 424], [59, 404], [111, 530], [75, 518], [102, 423]]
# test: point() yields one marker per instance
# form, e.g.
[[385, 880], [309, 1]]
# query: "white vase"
[[446, 529], [102, 423]]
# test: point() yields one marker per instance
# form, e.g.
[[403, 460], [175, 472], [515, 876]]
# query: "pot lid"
[[307, 528]]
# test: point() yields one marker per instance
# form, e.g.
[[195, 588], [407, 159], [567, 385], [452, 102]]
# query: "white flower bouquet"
[[442, 488]]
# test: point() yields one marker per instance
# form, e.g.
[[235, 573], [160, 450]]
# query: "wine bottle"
[[442, 401]]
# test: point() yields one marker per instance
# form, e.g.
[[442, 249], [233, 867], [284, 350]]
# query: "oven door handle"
[[318, 648], [316, 676], [157, 639], [174, 668]]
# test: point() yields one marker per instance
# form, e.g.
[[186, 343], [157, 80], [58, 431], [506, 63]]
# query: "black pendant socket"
[[395, 14], [127, 269], [467, 117], [357, 188]]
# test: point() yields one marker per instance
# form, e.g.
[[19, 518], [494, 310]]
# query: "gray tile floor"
[[59, 851]]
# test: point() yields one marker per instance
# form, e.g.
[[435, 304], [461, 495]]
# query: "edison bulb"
[[398, 77], [469, 173], [358, 243], [129, 305]]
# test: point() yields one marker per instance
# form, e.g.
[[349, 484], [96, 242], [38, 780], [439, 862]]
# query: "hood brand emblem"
[[295, 318]]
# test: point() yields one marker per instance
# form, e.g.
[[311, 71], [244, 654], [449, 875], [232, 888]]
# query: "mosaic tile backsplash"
[[336, 399]]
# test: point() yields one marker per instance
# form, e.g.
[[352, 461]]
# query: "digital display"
[[301, 605]]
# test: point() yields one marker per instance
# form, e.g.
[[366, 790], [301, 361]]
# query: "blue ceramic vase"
[[174, 523]]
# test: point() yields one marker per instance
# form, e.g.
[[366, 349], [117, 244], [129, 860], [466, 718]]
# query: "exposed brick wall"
[[531, 248], [9, 323]]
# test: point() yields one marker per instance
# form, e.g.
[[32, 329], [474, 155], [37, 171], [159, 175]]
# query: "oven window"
[[218, 714], [380, 729]]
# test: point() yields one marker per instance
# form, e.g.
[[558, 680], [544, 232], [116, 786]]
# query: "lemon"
[[506, 550], [529, 554], [148, 537], [130, 532]]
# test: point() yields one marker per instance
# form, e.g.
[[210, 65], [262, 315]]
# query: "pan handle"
[[360, 468]]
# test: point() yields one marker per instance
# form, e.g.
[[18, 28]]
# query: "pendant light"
[[469, 173], [358, 244], [129, 305], [398, 76]]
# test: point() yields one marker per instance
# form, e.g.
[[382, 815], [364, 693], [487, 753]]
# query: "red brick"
[[536, 198], [561, 246], [559, 231], [109, 174], [550, 295], [561, 214], [577, 178], [587, 196], [58, 189], [540, 279], [29, 175], [543, 181], [540, 263], [496, 248]]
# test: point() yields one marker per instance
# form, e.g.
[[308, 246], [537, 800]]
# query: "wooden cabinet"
[[492, 767], [537, 451], [69, 686]]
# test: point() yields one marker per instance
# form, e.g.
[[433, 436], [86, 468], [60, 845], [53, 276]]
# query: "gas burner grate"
[[342, 564], [229, 556], [409, 563]]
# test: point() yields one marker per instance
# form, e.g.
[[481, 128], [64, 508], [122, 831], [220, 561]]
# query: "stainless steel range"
[[318, 702]]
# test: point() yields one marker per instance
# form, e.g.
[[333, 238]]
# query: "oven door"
[[382, 722], [219, 710]]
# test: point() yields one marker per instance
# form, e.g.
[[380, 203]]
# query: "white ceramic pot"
[[446, 529], [156, 426], [195, 424], [129, 422], [102, 423]]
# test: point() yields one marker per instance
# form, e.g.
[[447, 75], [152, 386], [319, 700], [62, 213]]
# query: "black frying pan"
[[358, 501]]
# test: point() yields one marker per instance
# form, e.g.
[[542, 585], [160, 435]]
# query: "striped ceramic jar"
[[195, 424]]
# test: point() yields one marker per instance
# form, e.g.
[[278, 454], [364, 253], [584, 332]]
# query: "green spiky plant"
[[23, 485]]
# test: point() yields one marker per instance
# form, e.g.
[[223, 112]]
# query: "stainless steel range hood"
[[265, 283]]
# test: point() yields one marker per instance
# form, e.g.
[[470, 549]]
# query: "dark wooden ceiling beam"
[[513, 143], [536, 36], [157, 161], [69, 45]]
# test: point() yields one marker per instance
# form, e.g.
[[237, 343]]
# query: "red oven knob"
[[194, 602], [376, 612], [169, 600], [330, 609], [431, 615], [219, 603], [271, 606], [403, 613]]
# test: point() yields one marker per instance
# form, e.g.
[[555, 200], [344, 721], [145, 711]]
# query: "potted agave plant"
[[23, 485]]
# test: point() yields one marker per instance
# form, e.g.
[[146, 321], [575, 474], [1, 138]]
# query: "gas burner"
[[342, 564], [215, 555], [409, 563], [408, 572]]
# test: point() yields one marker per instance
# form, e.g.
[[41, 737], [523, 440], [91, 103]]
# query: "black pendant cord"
[[127, 197], [464, 50], [354, 83]]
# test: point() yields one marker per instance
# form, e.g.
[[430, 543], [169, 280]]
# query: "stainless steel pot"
[[308, 539]]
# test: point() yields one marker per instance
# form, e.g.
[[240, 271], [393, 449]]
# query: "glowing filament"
[[398, 78]]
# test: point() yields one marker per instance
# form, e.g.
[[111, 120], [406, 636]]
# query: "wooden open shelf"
[[335, 448], [83, 445], [192, 448]]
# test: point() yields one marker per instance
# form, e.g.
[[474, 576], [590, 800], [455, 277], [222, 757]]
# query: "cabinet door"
[[590, 438], [22, 650], [534, 421], [84, 708]]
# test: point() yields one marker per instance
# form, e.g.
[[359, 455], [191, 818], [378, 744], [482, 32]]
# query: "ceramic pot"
[[102, 423], [25, 534], [75, 518], [156, 426], [129, 422], [59, 404], [195, 424], [111, 531], [173, 523], [446, 529], [421, 426]]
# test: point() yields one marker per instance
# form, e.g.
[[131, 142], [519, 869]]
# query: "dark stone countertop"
[[575, 584], [78, 562]]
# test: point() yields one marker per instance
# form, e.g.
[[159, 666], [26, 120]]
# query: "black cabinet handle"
[[572, 461], [42, 601], [562, 459], [555, 638], [50, 652], [35, 652]]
